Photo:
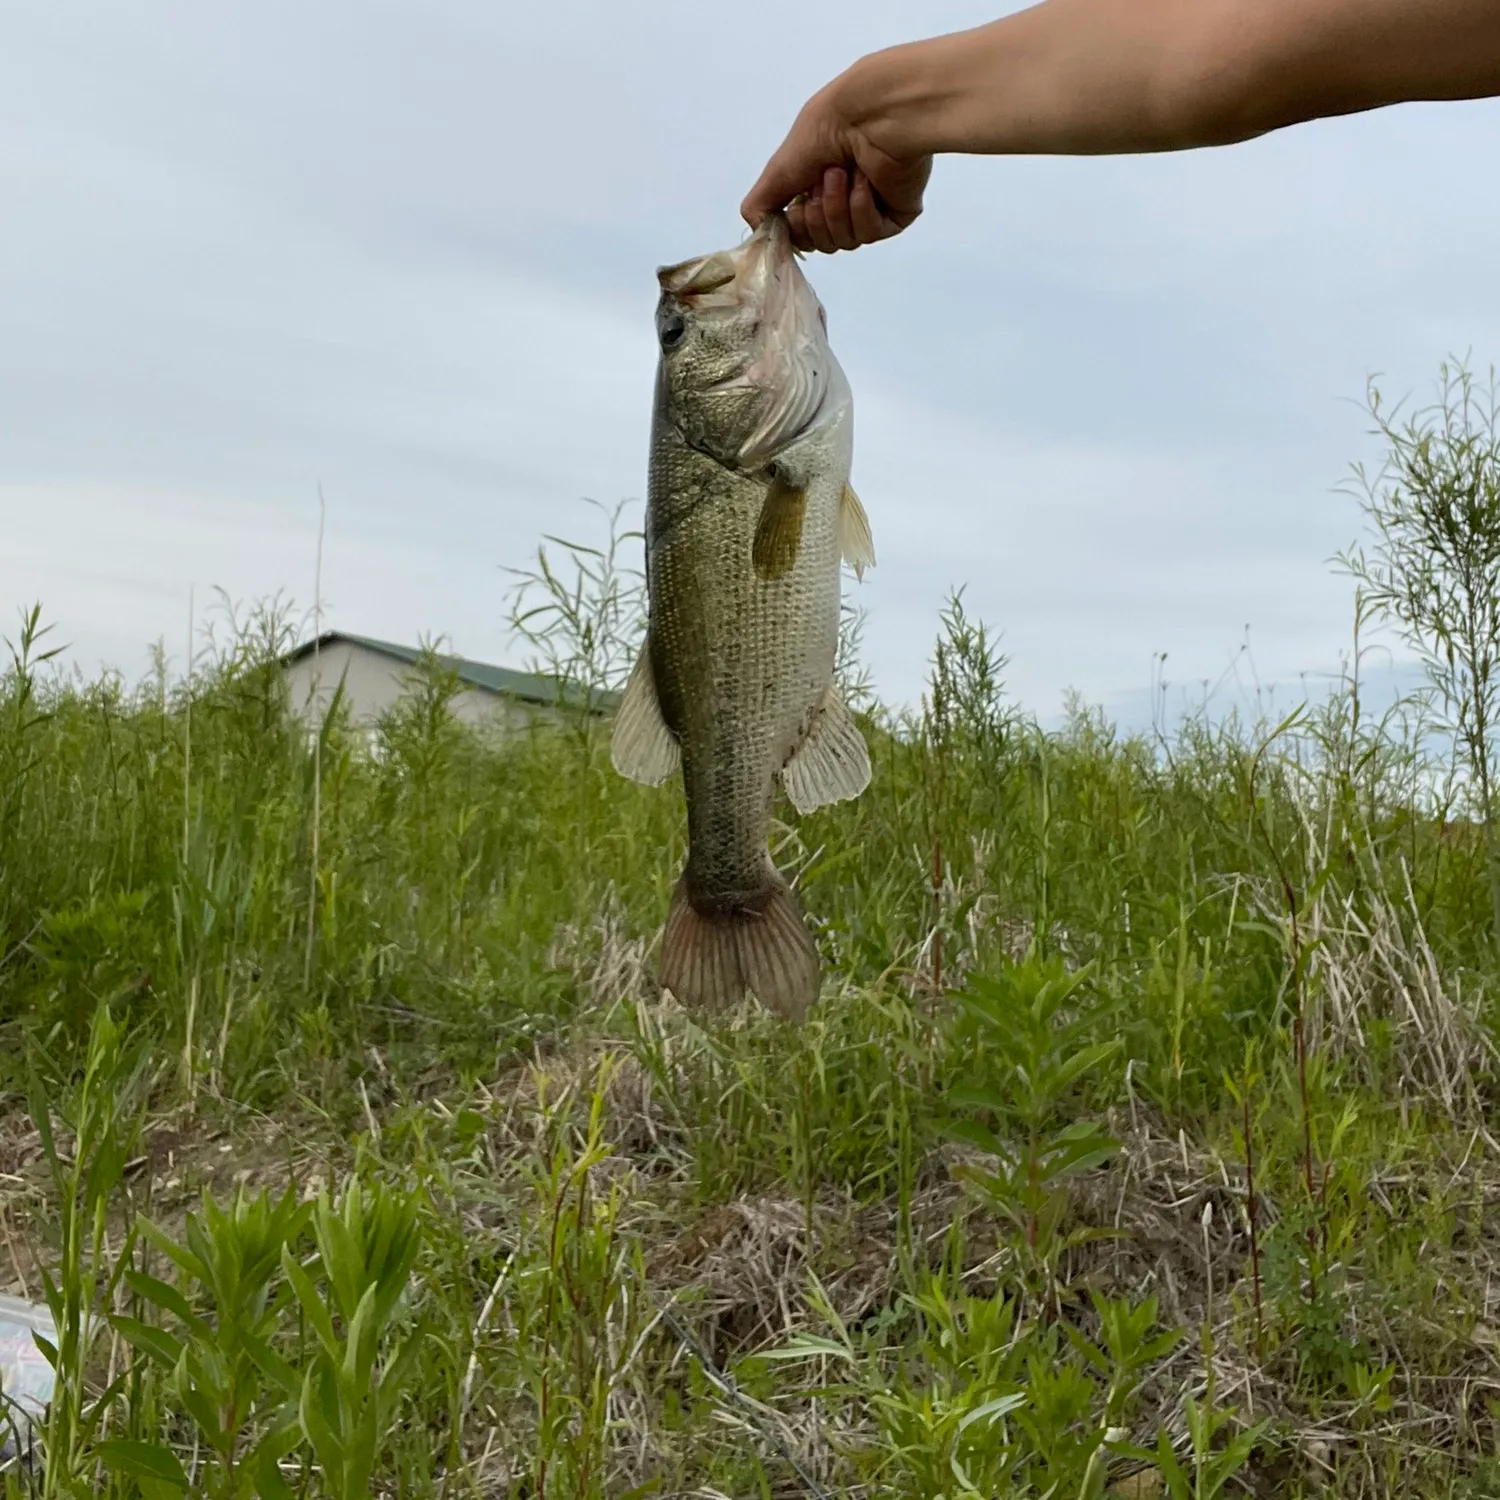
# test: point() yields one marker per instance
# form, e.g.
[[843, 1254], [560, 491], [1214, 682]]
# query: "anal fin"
[[642, 748], [833, 763]]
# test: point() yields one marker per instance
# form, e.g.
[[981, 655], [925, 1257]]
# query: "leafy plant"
[[1211, 1464], [351, 1391], [576, 1318], [221, 1363], [103, 1116], [1434, 568], [1030, 1056]]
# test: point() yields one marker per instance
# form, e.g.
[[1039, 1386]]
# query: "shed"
[[377, 674]]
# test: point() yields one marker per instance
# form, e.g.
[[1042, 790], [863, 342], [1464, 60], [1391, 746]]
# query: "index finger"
[[777, 185]]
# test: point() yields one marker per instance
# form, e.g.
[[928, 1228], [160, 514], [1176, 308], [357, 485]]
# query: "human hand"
[[841, 186]]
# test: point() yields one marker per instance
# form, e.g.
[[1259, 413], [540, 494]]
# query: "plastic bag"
[[26, 1378]]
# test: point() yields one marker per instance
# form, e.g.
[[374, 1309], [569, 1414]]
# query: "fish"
[[749, 514]]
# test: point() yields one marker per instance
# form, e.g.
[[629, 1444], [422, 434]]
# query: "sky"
[[405, 252]]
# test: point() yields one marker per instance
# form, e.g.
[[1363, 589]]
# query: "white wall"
[[374, 683]]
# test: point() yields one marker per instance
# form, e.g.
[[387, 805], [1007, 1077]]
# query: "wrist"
[[898, 99]]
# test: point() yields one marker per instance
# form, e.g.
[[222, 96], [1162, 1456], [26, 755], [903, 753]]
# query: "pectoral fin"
[[855, 542], [642, 748], [778, 537], [832, 764]]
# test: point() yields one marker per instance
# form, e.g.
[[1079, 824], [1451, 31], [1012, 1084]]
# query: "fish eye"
[[672, 330]]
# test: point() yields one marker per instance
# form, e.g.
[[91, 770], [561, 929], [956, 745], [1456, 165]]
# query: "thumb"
[[811, 146], [789, 173]]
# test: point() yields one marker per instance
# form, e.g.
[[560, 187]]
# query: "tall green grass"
[[1138, 1145]]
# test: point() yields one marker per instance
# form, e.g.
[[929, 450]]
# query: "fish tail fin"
[[700, 960], [778, 954], [710, 958]]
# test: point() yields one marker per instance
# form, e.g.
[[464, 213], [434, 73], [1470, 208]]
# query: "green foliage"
[[1435, 565], [217, 1362], [357, 1378], [1202, 1023], [1029, 1057], [103, 1118]]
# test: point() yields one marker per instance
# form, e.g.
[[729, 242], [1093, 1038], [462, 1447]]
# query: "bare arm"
[[1102, 77]]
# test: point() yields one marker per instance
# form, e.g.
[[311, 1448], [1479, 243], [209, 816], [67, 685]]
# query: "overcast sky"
[[406, 250]]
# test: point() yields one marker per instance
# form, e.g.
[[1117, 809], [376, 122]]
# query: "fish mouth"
[[751, 267]]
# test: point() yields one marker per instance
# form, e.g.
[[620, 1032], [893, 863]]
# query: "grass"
[[1138, 1146]]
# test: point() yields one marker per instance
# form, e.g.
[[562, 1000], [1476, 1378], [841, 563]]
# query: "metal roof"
[[527, 686]]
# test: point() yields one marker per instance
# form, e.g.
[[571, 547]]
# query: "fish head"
[[745, 367]]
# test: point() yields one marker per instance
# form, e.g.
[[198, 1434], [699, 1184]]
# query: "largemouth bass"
[[748, 514]]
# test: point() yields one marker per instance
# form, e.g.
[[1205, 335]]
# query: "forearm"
[[1085, 77]]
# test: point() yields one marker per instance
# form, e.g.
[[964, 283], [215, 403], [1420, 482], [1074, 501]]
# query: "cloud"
[[405, 251]]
